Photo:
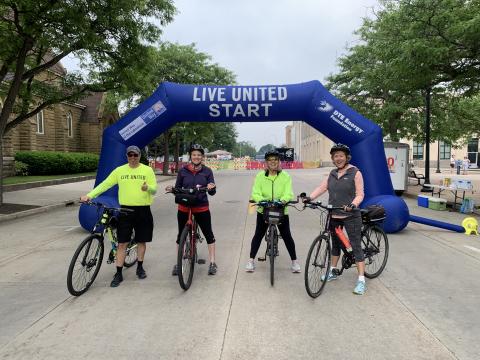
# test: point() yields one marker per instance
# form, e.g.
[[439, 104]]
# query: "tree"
[[181, 64], [244, 148], [224, 137], [411, 48], [107, 36]]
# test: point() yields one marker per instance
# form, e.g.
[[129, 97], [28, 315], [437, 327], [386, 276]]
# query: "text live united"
[[255, 101]]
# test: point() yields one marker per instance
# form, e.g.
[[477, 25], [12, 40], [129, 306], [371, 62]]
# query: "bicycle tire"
[[318, 259], [131, 255], [185, 259], [376, 255], [86, 263], [271, 234]]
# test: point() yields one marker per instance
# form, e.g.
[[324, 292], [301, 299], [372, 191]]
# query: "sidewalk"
[[45, 198], [414, 190]]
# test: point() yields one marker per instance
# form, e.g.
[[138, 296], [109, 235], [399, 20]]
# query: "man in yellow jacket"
[[136, 186], [272, 184]]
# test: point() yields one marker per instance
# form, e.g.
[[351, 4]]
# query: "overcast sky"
[[270, 42]]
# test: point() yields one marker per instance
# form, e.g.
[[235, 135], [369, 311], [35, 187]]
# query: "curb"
[[30, 185], [35, 211], [46, 208]]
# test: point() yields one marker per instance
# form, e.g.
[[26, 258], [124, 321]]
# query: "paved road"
[[424, 306]]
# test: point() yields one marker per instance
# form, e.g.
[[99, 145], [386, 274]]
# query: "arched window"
[[40, 123], [69, 124]]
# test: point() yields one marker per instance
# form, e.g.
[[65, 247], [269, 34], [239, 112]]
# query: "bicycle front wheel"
[[272, 238], [317, 265], [85, 265], [375, 249], [186, 259]]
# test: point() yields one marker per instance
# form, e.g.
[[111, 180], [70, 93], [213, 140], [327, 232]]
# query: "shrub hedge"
[[55, 163]]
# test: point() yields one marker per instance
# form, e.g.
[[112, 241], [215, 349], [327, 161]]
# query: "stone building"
[[68, 127]]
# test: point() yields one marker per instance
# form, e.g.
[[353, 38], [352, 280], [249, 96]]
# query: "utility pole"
[[427, 142]]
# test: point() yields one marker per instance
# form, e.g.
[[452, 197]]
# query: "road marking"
[[72, 228], [472, 248]]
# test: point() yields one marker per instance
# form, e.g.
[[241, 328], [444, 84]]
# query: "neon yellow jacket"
[[130, 181], [278, 187]]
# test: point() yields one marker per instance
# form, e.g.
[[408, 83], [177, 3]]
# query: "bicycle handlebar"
[[188, 191], [100, 205], [269, 203]]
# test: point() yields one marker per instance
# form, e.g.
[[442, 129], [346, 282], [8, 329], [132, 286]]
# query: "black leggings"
[[261, 229], [204, 220], [353, 225]]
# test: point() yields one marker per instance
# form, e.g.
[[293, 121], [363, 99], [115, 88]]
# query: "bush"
[[56, 163], [21, 169]]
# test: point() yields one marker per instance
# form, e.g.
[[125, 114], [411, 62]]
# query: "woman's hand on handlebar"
[[349, 207], [211, 186], [304, 198]]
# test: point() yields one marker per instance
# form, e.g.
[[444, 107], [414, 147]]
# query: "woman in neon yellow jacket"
[[272, 184]]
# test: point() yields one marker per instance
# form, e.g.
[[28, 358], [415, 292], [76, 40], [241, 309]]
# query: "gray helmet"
[[340, 147], [196, 147]]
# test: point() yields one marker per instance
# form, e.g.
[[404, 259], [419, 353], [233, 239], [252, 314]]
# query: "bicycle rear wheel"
[[375, 249], [85, 265], [272, 236], [317, 265], [131, 255], [186, 259]]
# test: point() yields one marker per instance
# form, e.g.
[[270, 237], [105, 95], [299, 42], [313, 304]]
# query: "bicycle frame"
[[193, 230]]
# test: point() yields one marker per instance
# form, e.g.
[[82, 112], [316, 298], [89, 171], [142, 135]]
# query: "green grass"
[[26, 179]]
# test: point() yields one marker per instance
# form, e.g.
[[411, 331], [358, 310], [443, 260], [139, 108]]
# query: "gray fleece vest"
[[341, 191]]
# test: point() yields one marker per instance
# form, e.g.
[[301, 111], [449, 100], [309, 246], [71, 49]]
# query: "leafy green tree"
[[411, 47], [244, 148], [107, 36], [181, 64], [224, 137]]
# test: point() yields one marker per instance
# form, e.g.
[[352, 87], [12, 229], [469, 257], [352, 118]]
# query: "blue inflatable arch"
[[310, 102]]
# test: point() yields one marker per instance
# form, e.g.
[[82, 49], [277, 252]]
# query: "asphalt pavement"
[[423, 306]]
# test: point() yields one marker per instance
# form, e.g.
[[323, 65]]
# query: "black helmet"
[[340, 147], [272, 153], [197, 147]]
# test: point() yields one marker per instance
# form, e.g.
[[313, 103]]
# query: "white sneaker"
[[250, 267], [296, 267]]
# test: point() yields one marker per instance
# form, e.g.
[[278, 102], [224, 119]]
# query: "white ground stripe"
[[472, 248]]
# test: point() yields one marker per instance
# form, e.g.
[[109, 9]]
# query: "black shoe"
[[212, 269], [175, 270], [117, 279], [141, 273]]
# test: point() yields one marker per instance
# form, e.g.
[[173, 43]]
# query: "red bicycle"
[[187, 246]]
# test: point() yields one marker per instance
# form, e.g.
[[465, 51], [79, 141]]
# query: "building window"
[[69, 124], [445, 151], [417, 151], [40, 123], [472, 145]]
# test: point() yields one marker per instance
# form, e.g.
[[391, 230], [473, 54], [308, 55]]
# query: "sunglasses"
[[132, 155]]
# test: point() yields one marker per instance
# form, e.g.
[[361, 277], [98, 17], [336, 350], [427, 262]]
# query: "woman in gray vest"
[[345, 188]]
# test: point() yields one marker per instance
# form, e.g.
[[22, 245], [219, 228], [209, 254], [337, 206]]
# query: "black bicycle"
[[273, 212], [87, 259], [374, 245]]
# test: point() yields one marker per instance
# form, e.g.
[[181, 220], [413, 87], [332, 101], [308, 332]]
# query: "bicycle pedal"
[[201, 261], [261, 259], [109, 261]]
